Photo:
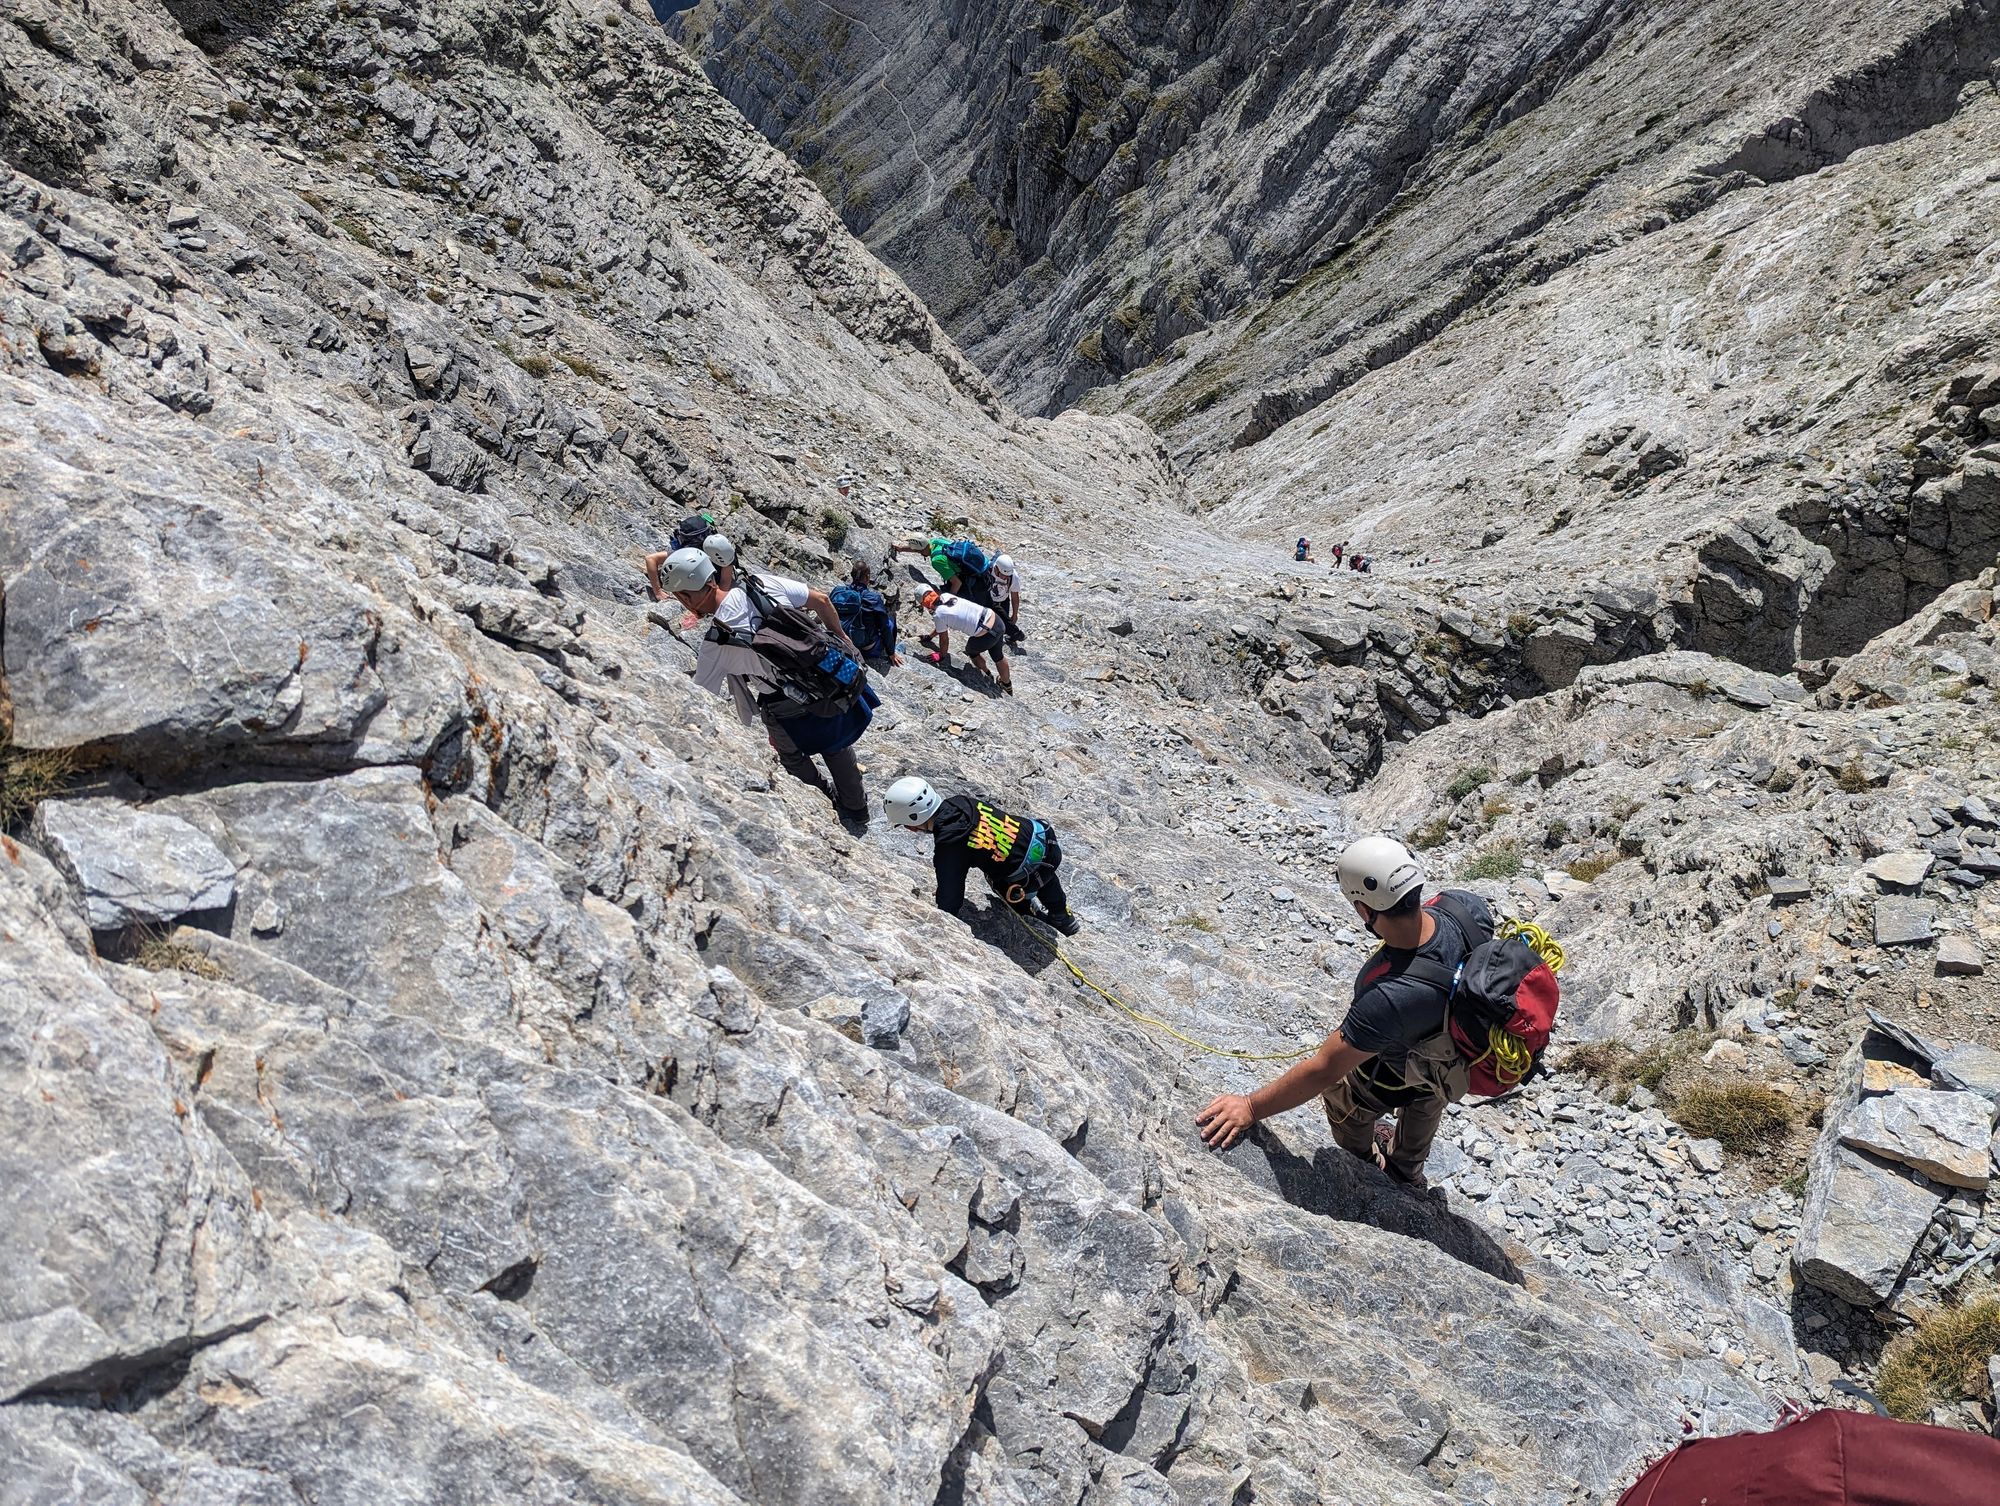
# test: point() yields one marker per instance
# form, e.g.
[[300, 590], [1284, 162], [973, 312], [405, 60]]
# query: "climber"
[[868, 616], [984, 636], [1394, 1052], [962, 567], [1303, 552], [1004, 590], [1018, 854], [1337, 552], [778, 652], [714, 545]]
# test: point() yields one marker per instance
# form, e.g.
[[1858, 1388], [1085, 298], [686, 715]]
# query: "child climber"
[[1018, 855]]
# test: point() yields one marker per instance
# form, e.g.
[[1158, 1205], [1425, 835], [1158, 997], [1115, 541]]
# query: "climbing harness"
[[1149, 1021]]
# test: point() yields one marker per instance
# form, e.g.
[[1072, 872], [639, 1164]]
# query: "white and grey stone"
[[132, 866], [1944, 1135]]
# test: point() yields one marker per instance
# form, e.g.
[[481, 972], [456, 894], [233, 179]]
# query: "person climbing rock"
[[1337, 551], [1018, 855], [984, 630], [868, 616], [714, 545], [1303, 552], [962, 568], [1004, 591], [1393, 1054], [777, 650]]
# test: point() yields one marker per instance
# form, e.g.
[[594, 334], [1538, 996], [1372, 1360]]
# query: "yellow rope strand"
[[1149, 1021]]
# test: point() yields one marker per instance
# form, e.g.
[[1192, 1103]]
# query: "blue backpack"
[[969, 557], [865, 617]]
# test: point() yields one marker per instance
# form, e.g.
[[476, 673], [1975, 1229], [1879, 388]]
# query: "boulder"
[[1942, 1134], [1887, 1077], [132, 866], [1861, 1221], [1901, 922]]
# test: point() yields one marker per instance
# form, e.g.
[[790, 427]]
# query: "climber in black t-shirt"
[[1018, 855], [1393, 1053]]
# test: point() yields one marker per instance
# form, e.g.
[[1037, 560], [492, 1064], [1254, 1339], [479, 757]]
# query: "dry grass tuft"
[[1942, 1360], [1743, 1117], [28, 776], [162, 954]]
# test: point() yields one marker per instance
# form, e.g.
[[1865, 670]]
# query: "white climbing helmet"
[[911, 801], [688, 570], [719, 549], [1378, 871], [1004, 565]]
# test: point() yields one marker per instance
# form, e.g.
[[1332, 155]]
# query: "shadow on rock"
[[1335, 1184], [998, 927]]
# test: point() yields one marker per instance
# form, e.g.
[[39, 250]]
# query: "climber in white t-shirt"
[[983, 627]]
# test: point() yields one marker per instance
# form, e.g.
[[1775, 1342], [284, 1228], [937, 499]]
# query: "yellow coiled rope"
[[1540, 942], [1512, 1060], [1149, 1021]]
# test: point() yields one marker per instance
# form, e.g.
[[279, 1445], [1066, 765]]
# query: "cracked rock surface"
[[559, 1105]]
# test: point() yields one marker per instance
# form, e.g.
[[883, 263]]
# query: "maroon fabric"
[[1829, 1459]]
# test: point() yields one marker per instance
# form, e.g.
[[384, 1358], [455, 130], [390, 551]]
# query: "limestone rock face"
[[1861, 1223], [565, 1103], [133, 867]]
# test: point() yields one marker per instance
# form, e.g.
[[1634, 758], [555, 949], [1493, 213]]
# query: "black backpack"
[[816, 675]]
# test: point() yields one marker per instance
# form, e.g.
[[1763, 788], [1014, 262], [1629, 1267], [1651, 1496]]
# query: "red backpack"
[[1503, 996]]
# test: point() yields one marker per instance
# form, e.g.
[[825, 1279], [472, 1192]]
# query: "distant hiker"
[[1005, 594], [1363, 563], [1018, 855], [1337, 552], [867, 615], [714, 545], [985, 634], [1394, 1053], [1303, 552], [777, 650], [844, 484]]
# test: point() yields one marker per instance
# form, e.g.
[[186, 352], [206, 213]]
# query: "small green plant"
[[1744, 1117], [1432, 833], [1942, 1359], [354, 230], [941, 523], [1795, 1185], [1557, 834], [1588, 870], [158, 953], [1195, 921], [531, 361], [833, 527], [1625, 810], [28, 776], [1520, 624], [1467, 781], [1501, 860], [1091, 347]]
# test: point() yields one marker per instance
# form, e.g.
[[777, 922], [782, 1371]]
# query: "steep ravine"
[[518, 1089]]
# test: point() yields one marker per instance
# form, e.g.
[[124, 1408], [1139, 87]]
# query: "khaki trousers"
[[1352, 1112]]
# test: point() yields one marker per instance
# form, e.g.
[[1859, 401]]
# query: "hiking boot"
[[1006, 687], [1067, 923], [855, 821]]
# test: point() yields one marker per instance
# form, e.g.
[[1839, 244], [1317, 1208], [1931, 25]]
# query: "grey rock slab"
[[131, 1235], [1902, 922], [1971, 1068], [1901, 870], [1942, 1134], [1960, 956], [1861, 1222], [353, 863], [133, 866], [143, 615]]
